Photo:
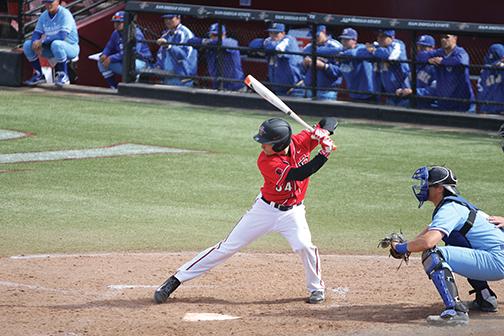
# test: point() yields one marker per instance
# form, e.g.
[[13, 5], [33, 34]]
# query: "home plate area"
[[251, 294]]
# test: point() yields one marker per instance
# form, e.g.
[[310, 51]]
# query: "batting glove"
[[327, 147], [319, 134]]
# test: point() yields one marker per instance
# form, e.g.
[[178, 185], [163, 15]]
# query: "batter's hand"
[[497, 220], [319, 133], [327, 147]]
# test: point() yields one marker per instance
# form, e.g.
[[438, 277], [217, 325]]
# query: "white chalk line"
[[35, 287], [172, 254], [195, 317], [91, 153]]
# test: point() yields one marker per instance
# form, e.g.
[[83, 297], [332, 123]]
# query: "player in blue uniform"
[[474, 246], [55, 37], [453, 80], [230, 61], [391, 76], [178, 60], [284, 69], [491, 81], [111, 59], [327, 71], [355, 69], [426, 74]]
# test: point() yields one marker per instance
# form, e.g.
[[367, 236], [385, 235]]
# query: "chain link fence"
[[379, 70]]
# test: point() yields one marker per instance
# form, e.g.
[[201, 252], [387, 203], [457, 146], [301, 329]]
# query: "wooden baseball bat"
[[264, 92]]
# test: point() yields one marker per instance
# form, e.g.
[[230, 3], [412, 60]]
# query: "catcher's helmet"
[[428, 177], [276, 132]]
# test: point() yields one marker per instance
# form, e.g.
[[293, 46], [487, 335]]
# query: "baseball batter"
[[285, 165]]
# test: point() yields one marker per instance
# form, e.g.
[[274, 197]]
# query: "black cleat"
[[163, 292], [317, 296], [485, 301]]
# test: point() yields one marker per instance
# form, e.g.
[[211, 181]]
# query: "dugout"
[[244, 25]]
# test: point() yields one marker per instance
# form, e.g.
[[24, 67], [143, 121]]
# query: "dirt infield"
[[111, 294]]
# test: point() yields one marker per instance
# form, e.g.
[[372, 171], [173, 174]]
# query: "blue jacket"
[[392, 76], [453, 78], [282, 68], [176, 59], [425, 81], [357, 72], [114, 48], [330, 76], [230, 66], [491, 81]]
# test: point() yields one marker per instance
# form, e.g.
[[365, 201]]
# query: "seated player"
[[111, 59], [55, 37]]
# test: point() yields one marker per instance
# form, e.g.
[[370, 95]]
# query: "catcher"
[[474, 246]]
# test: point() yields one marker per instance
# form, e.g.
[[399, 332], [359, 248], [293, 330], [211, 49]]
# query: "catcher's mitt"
[[386, 242]]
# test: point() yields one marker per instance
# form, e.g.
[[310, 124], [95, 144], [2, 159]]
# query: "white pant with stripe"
[[261, 219]]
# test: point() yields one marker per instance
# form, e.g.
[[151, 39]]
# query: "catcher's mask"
[[425, 177], [276, 132]]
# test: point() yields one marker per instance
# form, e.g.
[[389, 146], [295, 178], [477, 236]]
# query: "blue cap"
[[320, 29], [426, 40], [276, 27], [169, 15], [349, 34], [214, 29], [387, 32], [118, 17], [47, 1]]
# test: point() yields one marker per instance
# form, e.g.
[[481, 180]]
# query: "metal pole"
[[414, 101], [20, 22], [314, 61], [219, 57], [129, 41]]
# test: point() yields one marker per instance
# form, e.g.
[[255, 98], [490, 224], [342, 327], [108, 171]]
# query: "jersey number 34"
[[288, 187]]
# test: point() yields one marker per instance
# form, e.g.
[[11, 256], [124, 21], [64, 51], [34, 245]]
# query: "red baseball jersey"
[[275, 168]]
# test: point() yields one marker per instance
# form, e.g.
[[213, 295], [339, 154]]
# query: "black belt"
[[279, 206]]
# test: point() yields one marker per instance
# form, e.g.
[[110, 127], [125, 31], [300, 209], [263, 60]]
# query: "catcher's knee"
[[433, 260]]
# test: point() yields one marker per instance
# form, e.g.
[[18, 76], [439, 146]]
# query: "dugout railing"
[[245, 25]]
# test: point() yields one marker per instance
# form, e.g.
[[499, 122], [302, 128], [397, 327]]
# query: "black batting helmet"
[[276, 132]]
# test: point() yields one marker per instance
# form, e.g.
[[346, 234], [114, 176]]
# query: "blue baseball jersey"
[[484, 258], [357, 71], [176, 59], [330, 76], [230, 65], [392, 75], [59, 27], [482, 236], [426, 81], [453, 78], [114, 48], [282, 68], [491, 80]]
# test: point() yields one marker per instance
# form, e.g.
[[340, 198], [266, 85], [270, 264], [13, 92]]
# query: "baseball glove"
[[386, 242]]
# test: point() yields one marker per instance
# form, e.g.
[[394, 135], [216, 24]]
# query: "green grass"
[[189, 201]]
